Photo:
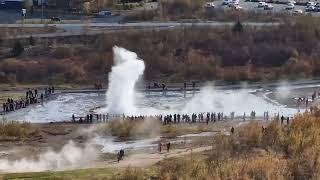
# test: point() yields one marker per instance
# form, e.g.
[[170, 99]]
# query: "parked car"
[[237, 7], [289, 6], [262, 4], [310, 9], [297, 12], [317, 7], [226, 2], [55, 19], [291, 2], [233, 5], [310, 3], [72, 10], [236, 2], [209, 5], [268, 7], [104, 13]]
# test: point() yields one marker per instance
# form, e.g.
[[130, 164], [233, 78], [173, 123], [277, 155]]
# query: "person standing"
[[159, 147], [168, 146], [4, 107]]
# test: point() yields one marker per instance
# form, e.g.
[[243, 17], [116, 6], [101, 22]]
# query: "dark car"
[[55, 19], [317, 7], [310, 9], [72, 10]]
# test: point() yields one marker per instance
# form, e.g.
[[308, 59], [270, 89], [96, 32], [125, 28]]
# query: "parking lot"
[[253, 6]]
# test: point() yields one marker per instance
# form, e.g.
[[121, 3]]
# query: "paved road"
[[98, 28]]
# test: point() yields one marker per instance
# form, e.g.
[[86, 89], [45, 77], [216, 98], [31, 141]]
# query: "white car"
[[310, 3], [289, 6], [297, 11], [237, 7], [233, 3], [236, 2], [291, 2], [226, 2], [262, 4], [268, 7], [104, 13], [209, 5]]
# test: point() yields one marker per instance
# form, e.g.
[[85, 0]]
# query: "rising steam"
[[122, 79], [70, 157]]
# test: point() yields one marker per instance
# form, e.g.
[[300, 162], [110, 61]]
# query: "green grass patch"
[[85, 174]]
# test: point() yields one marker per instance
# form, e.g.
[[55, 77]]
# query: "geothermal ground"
[[209, 99], [61, 145]]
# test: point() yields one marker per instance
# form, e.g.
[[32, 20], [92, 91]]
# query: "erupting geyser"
[[122, 79]]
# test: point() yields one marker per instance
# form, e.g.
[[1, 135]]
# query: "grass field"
[[85, 174], [95, 173]]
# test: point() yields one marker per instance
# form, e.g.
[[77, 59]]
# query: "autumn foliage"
[[287, 51]]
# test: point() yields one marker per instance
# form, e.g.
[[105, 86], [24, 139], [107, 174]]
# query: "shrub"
[[62, 52], [17, 49], [237, 28], [128, 129], [32, 41]]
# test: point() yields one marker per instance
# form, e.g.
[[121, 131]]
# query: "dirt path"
[[149, 159]]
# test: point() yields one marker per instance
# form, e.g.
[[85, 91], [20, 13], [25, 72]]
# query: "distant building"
[[60, 4], [12, 4]]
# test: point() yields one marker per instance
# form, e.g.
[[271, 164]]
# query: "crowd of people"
[[201, 117], [164, 86], [305, 100], [32, 97], [171, 118], [168, 145]]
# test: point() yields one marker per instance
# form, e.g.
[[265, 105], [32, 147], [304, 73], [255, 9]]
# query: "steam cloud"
[[283, 90], [124, 74], [227, 101], [70, 156]]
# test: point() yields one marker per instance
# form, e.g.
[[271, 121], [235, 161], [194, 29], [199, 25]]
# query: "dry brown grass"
[[14, 95], [174, 130], [280, 152], [127, 129], [11, 130]]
